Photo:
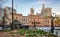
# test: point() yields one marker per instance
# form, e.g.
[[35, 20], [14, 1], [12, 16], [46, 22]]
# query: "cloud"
[[40, 2], [57, 4]]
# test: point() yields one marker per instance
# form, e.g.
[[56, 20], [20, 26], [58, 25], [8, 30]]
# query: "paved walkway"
[[2, 34]]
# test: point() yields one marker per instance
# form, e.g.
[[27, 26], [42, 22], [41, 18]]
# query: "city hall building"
[[42, 19], [38, 19]]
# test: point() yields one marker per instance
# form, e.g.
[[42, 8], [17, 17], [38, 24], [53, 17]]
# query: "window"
[[24, 19]]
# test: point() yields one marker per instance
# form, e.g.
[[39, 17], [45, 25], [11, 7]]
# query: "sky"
[[23, 6]]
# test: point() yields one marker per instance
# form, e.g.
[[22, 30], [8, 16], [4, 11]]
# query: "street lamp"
[[12, 15], [52, 23]]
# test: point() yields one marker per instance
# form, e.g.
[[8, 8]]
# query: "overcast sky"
[[23, 6]]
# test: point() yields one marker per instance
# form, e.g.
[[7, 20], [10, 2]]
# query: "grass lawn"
[[32, 33]]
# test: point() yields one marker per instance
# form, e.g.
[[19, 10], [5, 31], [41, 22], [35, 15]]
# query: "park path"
[[2, 34]]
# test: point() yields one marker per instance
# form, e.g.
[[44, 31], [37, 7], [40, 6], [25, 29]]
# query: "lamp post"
[[12, 14], [52, 23]]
